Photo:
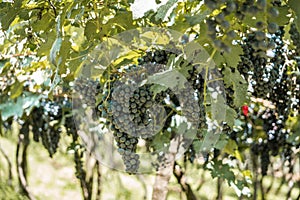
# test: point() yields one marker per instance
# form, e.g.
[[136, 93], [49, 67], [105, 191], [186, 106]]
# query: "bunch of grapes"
[[218, 25], [294, 79], [262, 71], [120, 107], [131, 106], [45, 122], [88, 90], [219, 29]]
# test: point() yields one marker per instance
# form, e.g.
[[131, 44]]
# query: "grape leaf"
[[294, 5], [64, 51], [221, 142], [234, 79], [216, 105], [17, 108], [232, 149], [7, 18], [47, 45], [196, 19], [45, 23], [210, 141], [157, 88], [55, 50], [160, 140], [90, 30], [164, 10], [233, 58], [16, 89], [188, 133], [169, 79], [231, 115], [283, 17], [223, 171]]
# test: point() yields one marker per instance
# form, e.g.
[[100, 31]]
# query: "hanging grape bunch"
[[131, 106], [88, 90], [220, 25], [45, 122]]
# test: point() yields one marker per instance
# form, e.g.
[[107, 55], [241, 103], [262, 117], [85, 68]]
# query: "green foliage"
[[45, 45], [294, 4], [9, 193]]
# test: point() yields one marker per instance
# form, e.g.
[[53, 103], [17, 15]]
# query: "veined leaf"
[[164, 10], [294, 5]]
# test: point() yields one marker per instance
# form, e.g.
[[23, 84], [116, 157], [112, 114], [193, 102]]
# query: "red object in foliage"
[[245, 110]]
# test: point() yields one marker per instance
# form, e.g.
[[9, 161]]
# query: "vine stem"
[[160, 188], [181, 179], [10, 176], [97, 173], [20, 166], [209, 60]]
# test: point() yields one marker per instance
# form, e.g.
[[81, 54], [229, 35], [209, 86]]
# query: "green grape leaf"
[[123, 19], [7, 18], [44, 24], [222, 142], [239, 85], [210, 140], [17, 108], [251, 20], [219, 169], [10, 109], [294, 5], [233, 58], [160, 140], [202, 38], [54, 51], [294, 138], [187, 132], [283, 17], [232, 149], [156, 89], [219, 59], [180, 24], [194, 53], [221, 112], [231, 115], [164, 10], [170, 79], [47, 45], [16, 90], [90, 30], [64, 51], [216, 106], [196, 19]]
